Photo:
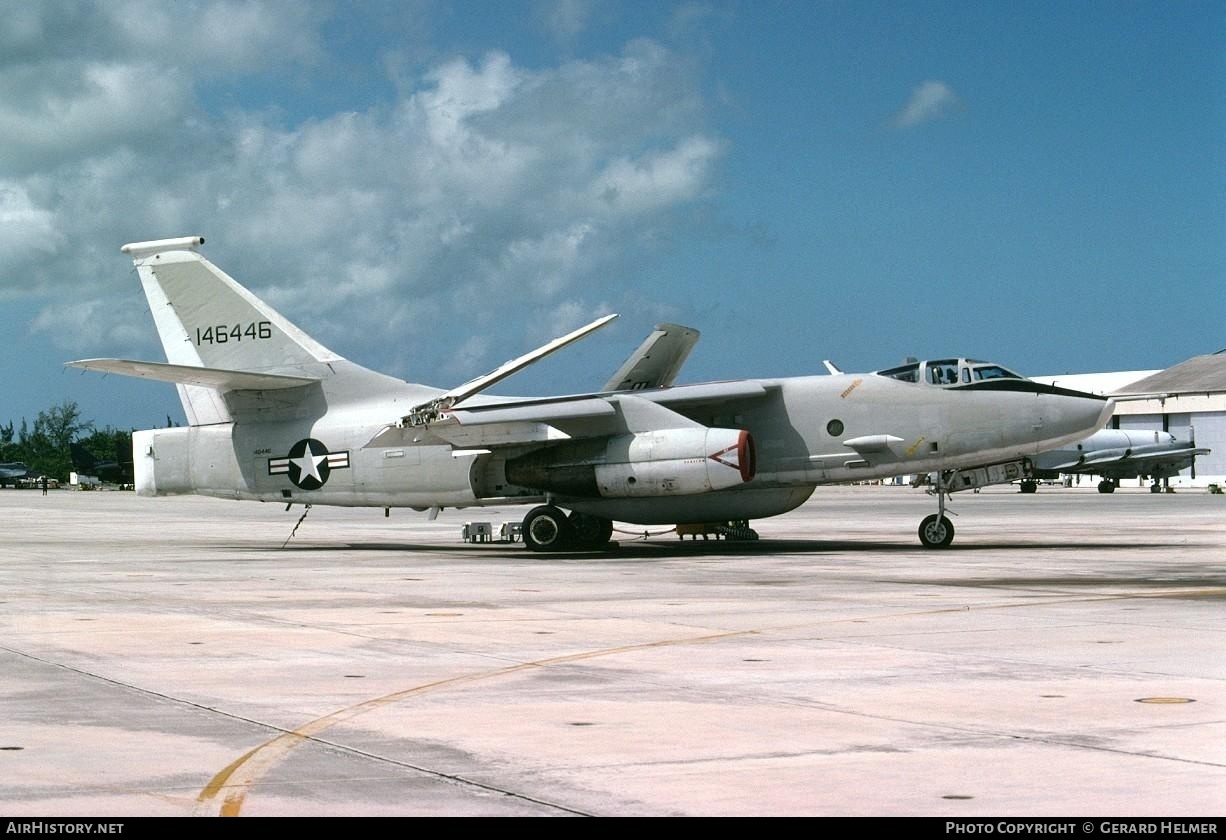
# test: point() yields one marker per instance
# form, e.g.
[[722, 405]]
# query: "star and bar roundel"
[[309, 464]]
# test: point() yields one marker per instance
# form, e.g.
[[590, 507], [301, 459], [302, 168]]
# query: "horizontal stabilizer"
[[215, 378]]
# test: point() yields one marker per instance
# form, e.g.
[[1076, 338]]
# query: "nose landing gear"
[[936, 531]]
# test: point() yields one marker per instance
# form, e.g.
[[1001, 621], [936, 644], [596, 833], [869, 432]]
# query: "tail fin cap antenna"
[[139, 250]]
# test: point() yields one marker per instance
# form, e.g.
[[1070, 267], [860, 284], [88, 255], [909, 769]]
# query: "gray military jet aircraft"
[[111, 472], [1120, 453], [275, 416], [12, 471]]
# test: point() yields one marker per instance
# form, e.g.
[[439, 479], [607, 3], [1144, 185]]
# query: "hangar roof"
[[1200, 374]]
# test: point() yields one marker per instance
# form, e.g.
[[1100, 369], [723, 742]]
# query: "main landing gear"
[[549, 528], [1107, 485]]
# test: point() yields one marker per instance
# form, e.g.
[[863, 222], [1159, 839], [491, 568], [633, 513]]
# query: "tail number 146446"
[[223, 333]]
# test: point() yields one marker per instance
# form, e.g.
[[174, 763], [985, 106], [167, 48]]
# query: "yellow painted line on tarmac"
[[234, 782]]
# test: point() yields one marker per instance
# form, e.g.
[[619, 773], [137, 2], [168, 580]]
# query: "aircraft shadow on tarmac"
[[652, 549]]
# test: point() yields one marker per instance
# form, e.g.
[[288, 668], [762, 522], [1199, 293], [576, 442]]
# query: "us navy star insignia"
[[308, 464]]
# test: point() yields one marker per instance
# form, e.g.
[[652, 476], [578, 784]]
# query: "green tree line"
[[44, 449]]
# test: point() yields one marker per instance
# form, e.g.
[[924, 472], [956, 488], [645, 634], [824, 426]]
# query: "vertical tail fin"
[[83, 460], [206, 319]]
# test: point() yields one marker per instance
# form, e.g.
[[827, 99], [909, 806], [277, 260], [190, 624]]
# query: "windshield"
[[906, 373], [948, 372], [982, 371]]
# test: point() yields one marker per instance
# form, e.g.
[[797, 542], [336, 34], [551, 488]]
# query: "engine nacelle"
[[666, 462], [191, 459]]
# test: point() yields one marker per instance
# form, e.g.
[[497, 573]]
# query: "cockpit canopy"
[[948, 372]]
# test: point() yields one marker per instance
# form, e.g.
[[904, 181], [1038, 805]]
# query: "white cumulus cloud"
[[930, 101], [565, 19], [479, 192], [657, 179], [26, 229]]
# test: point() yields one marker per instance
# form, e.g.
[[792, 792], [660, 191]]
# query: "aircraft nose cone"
[[1072, 415]]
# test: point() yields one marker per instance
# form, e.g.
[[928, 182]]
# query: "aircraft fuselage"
[[275, 416], [807, 431]]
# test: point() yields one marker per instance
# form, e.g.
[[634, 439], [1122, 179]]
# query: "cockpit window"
[[943, 372], [905, 373], [994, 372]]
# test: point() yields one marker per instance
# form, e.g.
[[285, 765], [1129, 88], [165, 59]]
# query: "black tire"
[[590, 532], [1029, 486], [546, 528], [936, 531], [1106, 486]]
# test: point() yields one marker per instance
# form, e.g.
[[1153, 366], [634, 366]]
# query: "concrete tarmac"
[[1065, 657]]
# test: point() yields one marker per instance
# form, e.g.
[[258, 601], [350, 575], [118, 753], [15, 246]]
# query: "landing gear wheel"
[[1029, 486], [1106, 486], [591, 533], [546, 528], [936, 531]]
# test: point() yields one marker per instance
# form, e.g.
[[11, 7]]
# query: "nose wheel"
[[936, 531]]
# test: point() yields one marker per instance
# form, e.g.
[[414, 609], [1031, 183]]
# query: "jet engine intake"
[[664, 462]]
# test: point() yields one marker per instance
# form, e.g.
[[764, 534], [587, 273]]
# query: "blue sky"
[[432, 188]]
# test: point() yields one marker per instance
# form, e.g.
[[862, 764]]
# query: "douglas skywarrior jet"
[[1115, 454], [275, 416], [12, 471]]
